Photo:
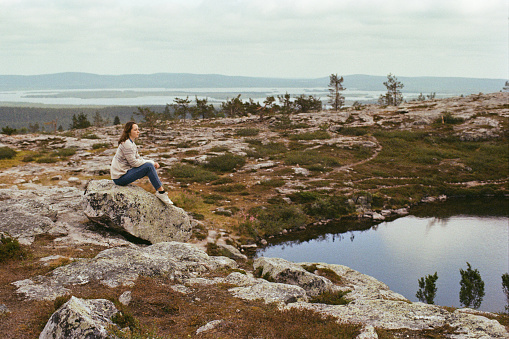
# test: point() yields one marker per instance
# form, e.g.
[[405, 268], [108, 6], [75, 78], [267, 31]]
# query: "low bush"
[[11, 249], [47, 160], [222, 181], [322, 206], [331, 298], [100, 145], [90, 136], [261, 150], [354, 131], [272, 183], [7, 153], [213, 199], [65, 152], [190, 173], [272, 219], [218, 149], [448, 118], [225, 163], [247, 132]]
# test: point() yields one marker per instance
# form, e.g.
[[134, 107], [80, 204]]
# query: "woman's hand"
[[156, 165]]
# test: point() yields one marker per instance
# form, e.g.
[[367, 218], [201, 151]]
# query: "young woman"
[[128, 166]]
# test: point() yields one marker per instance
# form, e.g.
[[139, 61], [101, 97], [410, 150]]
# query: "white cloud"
[[298, 38]]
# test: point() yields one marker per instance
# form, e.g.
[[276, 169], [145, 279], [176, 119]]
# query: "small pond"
[[434, 238]]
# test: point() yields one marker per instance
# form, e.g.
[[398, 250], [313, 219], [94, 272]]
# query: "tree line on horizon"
[[235, 107]]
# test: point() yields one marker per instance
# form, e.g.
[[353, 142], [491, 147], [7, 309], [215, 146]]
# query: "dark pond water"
[[435, 238]]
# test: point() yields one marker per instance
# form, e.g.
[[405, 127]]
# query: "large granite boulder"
[[133, 210], [80, 318]]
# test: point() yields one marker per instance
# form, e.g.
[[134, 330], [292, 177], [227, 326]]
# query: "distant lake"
[[163, 96], [399, 252]]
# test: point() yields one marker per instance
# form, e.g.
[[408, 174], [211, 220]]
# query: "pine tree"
[[337, 100], [472, 287], [427, 288], [393, 97]]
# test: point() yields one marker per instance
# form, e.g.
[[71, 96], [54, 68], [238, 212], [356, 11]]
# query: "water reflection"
[[400, 252]]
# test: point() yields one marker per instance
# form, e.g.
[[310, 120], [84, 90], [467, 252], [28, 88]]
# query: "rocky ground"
[[379, 162]]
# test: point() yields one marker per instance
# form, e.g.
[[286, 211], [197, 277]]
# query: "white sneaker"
[[164, 198]]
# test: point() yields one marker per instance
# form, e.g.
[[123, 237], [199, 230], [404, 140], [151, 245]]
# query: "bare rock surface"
[[80, 318], [58, 211], [135, 211], [283, 271], [121, 266]]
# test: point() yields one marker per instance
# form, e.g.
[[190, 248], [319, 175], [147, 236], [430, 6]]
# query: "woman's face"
[[135, 132]]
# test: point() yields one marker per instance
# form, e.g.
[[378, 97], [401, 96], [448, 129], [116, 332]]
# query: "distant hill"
[[60, 81]]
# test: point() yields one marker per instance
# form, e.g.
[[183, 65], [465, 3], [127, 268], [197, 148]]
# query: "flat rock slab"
[[121, 266], [133, 210]]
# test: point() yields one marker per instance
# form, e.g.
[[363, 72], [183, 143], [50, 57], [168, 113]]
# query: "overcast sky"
[[269, 38]]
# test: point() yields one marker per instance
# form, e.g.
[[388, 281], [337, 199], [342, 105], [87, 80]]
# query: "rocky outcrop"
[[57, 211], [133, 210], [282, 271], [121, 266], [80, 318]]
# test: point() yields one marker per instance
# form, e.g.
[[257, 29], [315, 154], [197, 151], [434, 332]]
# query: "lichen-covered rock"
[[133, 210], [24, 219], [390, 314], [80, 318], [121, 266], [271, 292], [361, 286], [283, 271]]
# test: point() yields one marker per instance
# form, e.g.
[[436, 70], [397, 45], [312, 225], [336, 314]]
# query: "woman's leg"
[[147, 169]]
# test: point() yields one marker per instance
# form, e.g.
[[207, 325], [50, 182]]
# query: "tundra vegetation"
[[279, 171]]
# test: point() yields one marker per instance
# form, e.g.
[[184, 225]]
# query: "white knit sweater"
[[126, 158]]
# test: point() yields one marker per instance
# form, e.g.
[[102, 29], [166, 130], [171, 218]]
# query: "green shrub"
[[90, 136], [272, 219], [247, 132], [331, 298], [47, 160], [328, 207], [354, 131], [100, 145], [316, 135], [213, 199], [261, 151], [222, 181], [219, 149], [272, 183], [9, 131], [125, 319], [66, 152], [448, 118], [225, 163], [190, 173], [11, 249], [7, 153]]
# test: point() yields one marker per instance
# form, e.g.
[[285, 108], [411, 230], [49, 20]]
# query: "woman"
[[128, 166]]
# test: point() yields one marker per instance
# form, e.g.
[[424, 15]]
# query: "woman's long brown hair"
[[127, 131]]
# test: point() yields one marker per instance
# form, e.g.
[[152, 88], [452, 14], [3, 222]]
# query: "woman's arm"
[[131, 155]]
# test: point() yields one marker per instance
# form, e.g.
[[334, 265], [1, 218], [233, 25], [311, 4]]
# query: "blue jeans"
[[135, 173]]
